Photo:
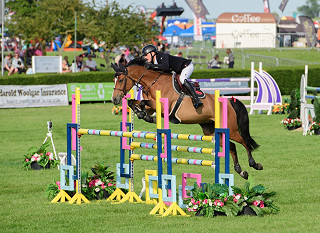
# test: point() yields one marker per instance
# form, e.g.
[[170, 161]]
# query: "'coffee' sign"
[[245, 18]]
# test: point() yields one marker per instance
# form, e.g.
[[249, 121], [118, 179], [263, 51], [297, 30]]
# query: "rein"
[[136, 83]]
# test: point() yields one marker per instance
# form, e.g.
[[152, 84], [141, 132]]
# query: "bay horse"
[[135, 74]]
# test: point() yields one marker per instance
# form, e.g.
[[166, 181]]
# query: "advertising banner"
[[92, 91], [46, 64], [283, 5], [197, 8], [21, 96], [309, 30]]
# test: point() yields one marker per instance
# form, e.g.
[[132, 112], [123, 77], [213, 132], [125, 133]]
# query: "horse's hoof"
[[258, 166], [244, 174]]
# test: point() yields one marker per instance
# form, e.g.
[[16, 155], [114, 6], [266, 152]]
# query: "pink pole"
[[125, 145], [74, 120], [224, 123], [165, 123]]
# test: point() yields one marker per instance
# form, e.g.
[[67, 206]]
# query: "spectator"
[[30, 52], [7, 62], [17, 65], [230, 58], [123, 60], [214, 62], [91, 64], [65, 65], [179, 54], [79, 63], [38, 51]]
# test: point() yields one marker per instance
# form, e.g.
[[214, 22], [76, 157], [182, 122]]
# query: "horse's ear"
[[122, 68], [115, 67]]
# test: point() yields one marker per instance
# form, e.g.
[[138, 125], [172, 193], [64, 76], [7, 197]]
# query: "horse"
[[135, 74]]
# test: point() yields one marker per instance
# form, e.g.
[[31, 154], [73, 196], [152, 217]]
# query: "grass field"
[[291, 168]]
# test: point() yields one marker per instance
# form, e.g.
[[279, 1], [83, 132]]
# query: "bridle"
[[136, 83]]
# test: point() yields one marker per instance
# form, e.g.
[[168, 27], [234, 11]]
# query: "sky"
[[217, 7]]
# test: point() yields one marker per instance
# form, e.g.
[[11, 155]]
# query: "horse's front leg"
[[147, 107], [133, 104]]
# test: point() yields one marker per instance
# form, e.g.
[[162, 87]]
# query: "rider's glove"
[[149, 66]]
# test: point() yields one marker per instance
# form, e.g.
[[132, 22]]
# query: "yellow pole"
[[217, 108], [77, 90]]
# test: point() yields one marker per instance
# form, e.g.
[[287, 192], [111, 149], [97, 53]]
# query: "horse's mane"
[[138, 61]]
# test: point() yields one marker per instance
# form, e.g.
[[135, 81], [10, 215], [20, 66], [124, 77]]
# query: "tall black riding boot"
[[195, 100]]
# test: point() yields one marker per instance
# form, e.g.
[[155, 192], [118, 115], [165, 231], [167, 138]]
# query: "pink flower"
[[102, 186], [193, 201], [27, 160], [261, 204], [225, 199], [110, 184], [48, 153], [190, 210], [198, 202], [216, 202], [256, 203], [221, 204], [205, 201]]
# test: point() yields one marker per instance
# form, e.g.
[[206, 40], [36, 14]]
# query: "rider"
[[167, 63]]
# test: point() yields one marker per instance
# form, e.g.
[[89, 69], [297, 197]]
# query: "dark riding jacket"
[[168, 63]]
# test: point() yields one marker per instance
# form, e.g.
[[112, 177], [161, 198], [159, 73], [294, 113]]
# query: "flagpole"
[[2, 41]]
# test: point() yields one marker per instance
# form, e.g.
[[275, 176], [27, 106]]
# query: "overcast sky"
[[217, 7]]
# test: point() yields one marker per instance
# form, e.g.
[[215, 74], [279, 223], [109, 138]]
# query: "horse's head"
[[125, 79], [122, 83]]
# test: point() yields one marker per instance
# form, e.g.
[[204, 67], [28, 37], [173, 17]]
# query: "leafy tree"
[[117, 26], [311, 8], [43, 20]]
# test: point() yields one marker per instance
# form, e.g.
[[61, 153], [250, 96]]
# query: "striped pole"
[[143, 134], [189, 149], [173, 160]]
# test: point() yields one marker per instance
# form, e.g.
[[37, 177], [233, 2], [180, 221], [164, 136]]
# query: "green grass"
[[291, 168]]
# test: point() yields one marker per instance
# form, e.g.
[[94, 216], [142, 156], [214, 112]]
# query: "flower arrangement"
[[40, 156], [289, 123], [314, 127], [254, 197], [213, 199], [281, 109], [98, 186], [118, 110]]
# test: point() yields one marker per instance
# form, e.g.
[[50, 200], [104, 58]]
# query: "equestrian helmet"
[[148, 49]]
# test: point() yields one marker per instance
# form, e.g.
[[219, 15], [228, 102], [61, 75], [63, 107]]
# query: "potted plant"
[[103, 181], [39, 158], [253, 199], [291, 124], [212, 200], [314, 128]]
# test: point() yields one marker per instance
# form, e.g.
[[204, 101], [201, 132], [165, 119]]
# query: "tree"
[[117, 26], [44, 20], [311, 9]]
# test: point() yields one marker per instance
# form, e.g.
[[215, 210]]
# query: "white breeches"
[[186, 72]]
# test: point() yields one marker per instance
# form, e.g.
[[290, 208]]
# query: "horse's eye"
[[120, 80]]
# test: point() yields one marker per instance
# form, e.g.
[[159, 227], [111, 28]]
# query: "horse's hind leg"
[[237, 168]]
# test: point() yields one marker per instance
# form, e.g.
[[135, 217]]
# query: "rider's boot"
[[195, 100]]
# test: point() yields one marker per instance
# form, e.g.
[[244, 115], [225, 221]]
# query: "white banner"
[[46, 64], [20, 96]]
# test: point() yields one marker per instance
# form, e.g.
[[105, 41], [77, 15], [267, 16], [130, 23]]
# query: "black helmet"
[[148, 49]]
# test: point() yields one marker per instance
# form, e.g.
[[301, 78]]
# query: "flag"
[[308, 29], [197, 8], [283, 4], [266, 6]]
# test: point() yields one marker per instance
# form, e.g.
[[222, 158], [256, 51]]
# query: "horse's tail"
[[243, 123]]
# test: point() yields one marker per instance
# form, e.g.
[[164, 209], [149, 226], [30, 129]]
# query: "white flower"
[[97, 190], [195, 207], [210, 202], [99, 182], [245, 198], [36, 155], [190, 204], [38, 159], [33, 159]]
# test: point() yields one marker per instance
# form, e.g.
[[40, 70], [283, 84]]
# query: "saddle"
[[180, 89]]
